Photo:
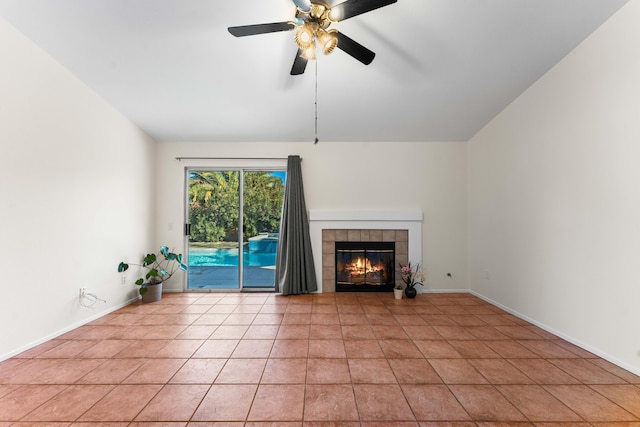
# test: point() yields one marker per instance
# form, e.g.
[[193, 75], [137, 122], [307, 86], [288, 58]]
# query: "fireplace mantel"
[[359, 216], [410, 220]]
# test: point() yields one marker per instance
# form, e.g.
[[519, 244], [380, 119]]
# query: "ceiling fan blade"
[[355, 49], [299, 64], [351, 8], [251, 30]]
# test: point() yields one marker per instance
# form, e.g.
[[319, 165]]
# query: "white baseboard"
[[542, 326], [559, 334], [443, 291], [66, 329]]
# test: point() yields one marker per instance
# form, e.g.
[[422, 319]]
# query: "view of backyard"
[[218, 200]]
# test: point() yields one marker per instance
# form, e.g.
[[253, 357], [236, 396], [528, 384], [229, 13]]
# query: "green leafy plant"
[[160, 267]]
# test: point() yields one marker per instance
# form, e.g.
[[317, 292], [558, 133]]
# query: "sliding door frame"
[[275, 165]]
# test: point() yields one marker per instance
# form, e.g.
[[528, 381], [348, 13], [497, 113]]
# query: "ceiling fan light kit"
[[313, 28], [309, 53], [305, 36], [328, 40], [311, 25], [309, 33]]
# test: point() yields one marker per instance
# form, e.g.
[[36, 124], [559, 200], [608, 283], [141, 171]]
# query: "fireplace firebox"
[[365, 266]]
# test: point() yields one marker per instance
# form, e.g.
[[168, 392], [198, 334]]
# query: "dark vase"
[[410, 292], [153, 294]]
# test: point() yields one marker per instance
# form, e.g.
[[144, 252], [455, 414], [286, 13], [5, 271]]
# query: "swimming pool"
[[229, 258]]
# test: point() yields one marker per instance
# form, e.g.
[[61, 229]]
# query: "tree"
[[263, 196], [213, 196], [214, 199]]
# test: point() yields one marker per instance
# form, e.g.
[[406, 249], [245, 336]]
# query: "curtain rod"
[[232, 158]]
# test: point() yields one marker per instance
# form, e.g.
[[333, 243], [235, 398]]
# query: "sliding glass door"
[[233, 222], [212, 228], [263, 194]]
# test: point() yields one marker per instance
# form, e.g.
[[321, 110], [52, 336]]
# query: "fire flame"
[[361, 267]]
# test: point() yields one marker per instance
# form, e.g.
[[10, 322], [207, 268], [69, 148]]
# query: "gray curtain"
[[295, 272]]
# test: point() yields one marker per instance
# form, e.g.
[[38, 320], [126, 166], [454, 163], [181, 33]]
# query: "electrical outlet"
[[123, 279], [487, 275], [83, 291]]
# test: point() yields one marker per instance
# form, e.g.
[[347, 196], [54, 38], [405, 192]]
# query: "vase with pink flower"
[[412, 276]]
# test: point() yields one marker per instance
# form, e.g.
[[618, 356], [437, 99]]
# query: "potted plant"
[[160, 267], [397, 291], [411, 276]]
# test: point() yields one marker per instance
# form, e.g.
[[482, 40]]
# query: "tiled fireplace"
[[331, 236], [404, 228]]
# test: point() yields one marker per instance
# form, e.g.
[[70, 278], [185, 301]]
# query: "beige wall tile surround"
[[331, 236], [375, 235]]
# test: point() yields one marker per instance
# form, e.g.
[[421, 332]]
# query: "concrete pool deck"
[[216, 277]]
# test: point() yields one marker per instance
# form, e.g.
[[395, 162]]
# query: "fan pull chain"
[[316, 104]]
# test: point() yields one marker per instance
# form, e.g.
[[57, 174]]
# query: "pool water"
[[229, 258]]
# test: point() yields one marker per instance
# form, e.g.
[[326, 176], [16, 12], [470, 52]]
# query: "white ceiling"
[[443, 68]]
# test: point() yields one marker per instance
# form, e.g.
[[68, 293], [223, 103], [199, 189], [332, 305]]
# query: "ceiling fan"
[[312, 22]]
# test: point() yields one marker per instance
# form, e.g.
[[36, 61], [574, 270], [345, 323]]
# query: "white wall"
[[554, 197], [72, 178], [430, 177]]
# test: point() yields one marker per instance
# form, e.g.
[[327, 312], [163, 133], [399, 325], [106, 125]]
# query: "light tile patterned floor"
[[341, 360]]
